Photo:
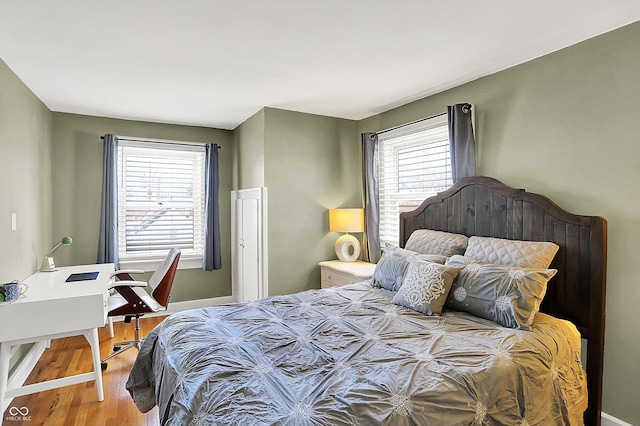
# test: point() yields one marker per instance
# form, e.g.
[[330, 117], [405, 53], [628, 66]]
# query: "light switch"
[[13, 222]]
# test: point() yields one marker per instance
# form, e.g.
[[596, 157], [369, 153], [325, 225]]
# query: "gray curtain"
[[212, 252], [461, 141], [371, 249], [108, 239]]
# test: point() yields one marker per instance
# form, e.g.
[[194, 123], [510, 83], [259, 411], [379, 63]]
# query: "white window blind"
[[414, 164], [160, 200]]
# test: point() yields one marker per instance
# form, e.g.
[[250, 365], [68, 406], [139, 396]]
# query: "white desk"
[[53, 308]]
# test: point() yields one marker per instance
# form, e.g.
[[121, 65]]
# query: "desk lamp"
[[48, 265], [347, 220]]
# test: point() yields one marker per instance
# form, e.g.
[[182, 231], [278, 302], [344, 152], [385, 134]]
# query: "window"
[[160, 202], [414, 164]]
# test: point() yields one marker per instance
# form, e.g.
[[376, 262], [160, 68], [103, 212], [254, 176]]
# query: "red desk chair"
[[133, 301]]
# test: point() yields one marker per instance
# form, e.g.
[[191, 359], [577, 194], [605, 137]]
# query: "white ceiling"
[[217, 62]]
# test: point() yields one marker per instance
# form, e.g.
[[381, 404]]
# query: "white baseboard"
[[195, 304], [608, 420], [189, 304]]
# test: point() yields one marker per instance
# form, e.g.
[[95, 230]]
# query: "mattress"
[[347, 355]]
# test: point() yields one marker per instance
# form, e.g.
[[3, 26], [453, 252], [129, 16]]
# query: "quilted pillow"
[[435, 258], [503, 294], [436, 242], [521, 254], [426, 286]]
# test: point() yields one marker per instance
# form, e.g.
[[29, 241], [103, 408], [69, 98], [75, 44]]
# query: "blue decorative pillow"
[[391, 268], [426, 286]]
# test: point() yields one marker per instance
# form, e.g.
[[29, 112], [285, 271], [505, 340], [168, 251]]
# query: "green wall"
[[567, 125], [249, 152], [25, 188], [77, 182], [309, 163]]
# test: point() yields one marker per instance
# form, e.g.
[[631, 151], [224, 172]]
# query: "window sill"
[[150, 265]]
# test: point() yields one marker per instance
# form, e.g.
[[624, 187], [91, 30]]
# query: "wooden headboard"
[[486, 207]]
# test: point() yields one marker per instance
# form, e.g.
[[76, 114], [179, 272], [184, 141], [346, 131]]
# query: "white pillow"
[[519, 254]]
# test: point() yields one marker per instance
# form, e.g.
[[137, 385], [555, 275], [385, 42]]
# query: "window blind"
[[161, 200], [414, 164]]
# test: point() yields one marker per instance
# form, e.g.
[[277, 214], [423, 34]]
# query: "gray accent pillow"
[[503, 294], [426, 286], [521, 254], [391, 268], [436, 242]]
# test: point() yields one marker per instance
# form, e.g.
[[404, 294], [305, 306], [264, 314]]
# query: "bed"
[[354, 355]]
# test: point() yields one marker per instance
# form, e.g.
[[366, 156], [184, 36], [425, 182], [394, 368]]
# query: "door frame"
[[263, 270]]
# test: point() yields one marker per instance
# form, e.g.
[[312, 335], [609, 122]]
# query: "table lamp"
[[347, 220], [48, 265]]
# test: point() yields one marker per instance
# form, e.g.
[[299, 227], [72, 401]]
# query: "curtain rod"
[[409, 124], [163, 141], [466, 108]]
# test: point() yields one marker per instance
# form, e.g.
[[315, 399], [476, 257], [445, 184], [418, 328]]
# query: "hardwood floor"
[[78, 404]]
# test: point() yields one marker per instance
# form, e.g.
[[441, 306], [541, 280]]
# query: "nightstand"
[[335, 272]]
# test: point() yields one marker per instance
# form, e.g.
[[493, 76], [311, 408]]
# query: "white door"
[[248, 246]]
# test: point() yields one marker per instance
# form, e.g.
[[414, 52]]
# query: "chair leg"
[[136, 333], [120, 347]]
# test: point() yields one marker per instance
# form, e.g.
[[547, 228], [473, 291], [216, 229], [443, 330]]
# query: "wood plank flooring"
[[78, 404]]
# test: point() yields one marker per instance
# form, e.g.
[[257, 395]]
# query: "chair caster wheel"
[[116, 348], [103, 366]]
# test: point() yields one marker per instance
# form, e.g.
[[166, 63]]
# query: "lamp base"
[[347, 248], [48, 265]]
